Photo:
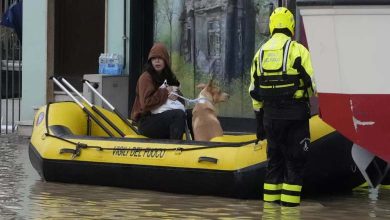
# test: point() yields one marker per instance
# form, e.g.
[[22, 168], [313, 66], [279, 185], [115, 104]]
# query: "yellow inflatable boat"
[[66, 146]]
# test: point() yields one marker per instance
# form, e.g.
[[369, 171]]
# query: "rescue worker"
[[281, 84]]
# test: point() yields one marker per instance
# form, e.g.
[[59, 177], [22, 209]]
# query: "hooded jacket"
[[149, 95]]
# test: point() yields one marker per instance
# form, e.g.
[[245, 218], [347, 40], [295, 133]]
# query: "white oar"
[[93, 107], [111, 107], [82, 106]]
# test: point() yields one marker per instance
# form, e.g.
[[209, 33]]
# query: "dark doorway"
[[141, 40], [79, 38]]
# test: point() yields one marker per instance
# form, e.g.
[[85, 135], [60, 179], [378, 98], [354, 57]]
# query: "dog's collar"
[[203, 99]]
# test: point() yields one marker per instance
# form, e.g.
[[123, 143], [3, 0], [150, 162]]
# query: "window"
[[214, 39]]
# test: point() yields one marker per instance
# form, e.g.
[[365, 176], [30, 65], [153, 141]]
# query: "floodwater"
[[24, 195]]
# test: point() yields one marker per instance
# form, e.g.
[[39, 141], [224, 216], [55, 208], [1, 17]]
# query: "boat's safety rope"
[[79, 146]]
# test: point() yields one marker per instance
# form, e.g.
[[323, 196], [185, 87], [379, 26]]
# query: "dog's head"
[[212, 92]]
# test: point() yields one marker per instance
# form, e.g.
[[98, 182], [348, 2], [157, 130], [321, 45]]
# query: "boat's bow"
[[348, 41]]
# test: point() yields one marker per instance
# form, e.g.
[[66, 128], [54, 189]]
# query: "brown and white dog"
[[205, 123]]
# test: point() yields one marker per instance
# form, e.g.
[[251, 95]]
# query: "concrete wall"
[[34, 56]]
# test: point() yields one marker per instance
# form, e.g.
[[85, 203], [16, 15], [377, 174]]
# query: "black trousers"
[[288, 146], [166, 125]]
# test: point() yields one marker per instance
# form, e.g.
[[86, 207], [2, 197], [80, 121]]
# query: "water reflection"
[[23, 195], [93, 202], [11, 175], [271, 211]]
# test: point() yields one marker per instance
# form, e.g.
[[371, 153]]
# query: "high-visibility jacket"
[[281, 69]]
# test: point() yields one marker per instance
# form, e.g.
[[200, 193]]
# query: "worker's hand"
[[260, 131], [254, 93]]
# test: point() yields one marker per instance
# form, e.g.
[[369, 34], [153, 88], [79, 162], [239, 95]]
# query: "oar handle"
[[97, 93], [126, 121], [67, 92], [111, 107], [94, 108], [98, 122], [75, 90], [108, 121], [82, 106]]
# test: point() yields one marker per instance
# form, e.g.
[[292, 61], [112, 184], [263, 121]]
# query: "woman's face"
[[158, 64]]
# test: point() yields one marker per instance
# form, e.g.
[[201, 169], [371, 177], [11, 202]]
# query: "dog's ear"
[[211, 85], [201, 86], [211, 82], [212, 76]]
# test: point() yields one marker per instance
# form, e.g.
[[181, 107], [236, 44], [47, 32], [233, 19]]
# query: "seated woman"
[[154, 116]]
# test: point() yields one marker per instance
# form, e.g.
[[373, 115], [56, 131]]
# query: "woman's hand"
[[172, 90]]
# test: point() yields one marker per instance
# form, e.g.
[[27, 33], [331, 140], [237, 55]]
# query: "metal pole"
[[94, 108], [1, 80], [19, 77], [125, 38], [111, 107], [82, 106], [6, 83], [12, 81]]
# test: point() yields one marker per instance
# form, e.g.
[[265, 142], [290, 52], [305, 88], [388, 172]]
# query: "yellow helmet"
[[281, 18]]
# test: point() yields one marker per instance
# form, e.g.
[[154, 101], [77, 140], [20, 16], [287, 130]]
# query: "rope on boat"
[[79, 146]]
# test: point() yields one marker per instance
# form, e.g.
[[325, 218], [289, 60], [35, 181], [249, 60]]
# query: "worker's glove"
[[260, 132], [255, 93]]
